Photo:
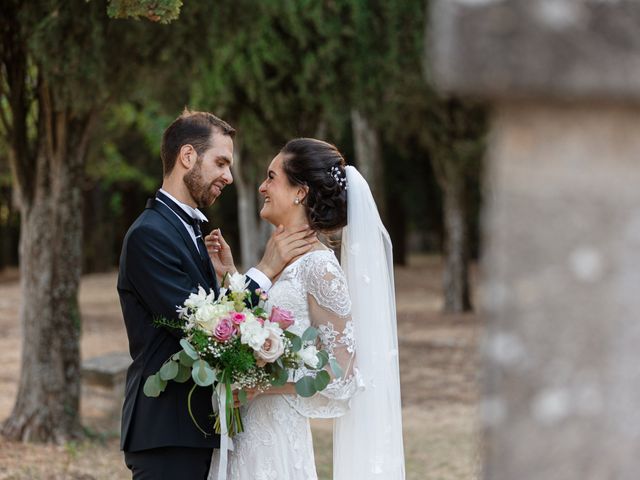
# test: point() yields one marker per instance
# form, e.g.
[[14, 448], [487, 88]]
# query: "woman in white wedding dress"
[[354, 312]]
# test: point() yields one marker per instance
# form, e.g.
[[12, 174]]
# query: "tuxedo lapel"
[[182, 231]]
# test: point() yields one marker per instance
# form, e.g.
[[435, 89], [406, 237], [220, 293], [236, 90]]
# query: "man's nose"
[[228, 176]]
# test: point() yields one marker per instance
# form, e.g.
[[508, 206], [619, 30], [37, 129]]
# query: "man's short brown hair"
[[190, 128]]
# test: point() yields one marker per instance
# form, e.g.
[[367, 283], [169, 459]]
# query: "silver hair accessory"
[[339, 176]]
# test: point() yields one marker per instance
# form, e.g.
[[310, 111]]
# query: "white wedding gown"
[[276, 443]]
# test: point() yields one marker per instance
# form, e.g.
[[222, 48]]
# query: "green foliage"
[[279, 377], [169, 370], [202, 373], [272, 70], [163, 11], [323, 358], [335, 368], [168, 323], [296, 344], [239, 359], [309, 334], [322, 380], [306, 387], [185, 358], [184, 374], [199, 340], [188, 350], [154, 386]]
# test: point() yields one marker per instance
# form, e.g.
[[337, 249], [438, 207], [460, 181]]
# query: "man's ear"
[[187, 156]]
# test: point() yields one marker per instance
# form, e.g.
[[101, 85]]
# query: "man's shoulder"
[[150, 222]]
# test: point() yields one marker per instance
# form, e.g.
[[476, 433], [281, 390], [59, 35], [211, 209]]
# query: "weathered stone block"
[[561, 282], [107, 370], [568, 49]]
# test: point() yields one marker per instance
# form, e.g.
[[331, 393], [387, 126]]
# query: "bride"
[[352, 304]]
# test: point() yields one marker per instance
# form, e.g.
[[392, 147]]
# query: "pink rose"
[[224, 330], [282, 317], [272, 349], [237, 318]]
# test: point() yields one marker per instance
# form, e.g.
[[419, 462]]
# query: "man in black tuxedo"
[[164, 259]]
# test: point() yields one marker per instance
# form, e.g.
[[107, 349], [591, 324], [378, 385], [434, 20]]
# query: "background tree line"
[[88, 87]]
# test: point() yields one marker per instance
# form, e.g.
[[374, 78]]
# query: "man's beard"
[[198, 189]]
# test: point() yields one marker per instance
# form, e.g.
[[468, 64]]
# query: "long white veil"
[[367, 441]]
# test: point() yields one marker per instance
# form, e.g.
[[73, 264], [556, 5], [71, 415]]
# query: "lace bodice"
[[315, 290]]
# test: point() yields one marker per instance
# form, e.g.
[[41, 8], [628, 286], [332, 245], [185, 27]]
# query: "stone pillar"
[[561, 265]]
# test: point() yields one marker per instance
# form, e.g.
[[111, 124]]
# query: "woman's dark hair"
[[319, 166]]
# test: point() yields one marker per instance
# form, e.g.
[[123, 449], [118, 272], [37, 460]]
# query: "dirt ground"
[[438, 370]]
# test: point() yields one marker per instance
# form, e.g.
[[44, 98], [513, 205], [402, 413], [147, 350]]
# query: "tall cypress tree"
[[61, 64]]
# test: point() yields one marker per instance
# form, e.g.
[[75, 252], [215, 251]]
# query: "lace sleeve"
[[330, 312]]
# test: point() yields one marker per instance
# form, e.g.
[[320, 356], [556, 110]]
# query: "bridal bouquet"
[[231, 344]]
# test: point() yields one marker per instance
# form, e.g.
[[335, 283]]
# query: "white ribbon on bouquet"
[[220, 459]]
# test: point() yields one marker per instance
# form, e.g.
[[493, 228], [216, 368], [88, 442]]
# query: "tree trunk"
[[369, 157], [247, 220], [456, 268], [48, 401]]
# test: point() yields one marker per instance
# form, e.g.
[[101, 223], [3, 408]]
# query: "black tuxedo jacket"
[[159, 268]]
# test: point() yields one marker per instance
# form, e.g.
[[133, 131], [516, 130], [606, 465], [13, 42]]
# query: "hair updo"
[[319, 166]]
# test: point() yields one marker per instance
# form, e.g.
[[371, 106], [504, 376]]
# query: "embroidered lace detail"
[[347, 338], [328, 337], [326, 282]]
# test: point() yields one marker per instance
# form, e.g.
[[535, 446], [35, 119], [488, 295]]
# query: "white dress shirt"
[[253, 273]]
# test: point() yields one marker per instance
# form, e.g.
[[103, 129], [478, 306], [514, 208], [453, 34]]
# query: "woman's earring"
[[296, 201]]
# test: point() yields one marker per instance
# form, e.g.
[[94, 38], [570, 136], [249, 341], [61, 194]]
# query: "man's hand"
[[285, 246], [220, 254]]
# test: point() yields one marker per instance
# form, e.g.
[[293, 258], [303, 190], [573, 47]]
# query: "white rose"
[[309, 355], [238, 283], [271, 349], [207, 317], [253, 334], [221, 309]]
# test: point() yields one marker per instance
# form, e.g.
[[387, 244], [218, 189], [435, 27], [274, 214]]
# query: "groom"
[[163, 260]]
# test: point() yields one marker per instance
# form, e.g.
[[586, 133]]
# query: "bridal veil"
[[368, 438]]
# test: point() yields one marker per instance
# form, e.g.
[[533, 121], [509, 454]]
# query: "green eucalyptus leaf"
[[296, 344], [184, 343], [169, 371], [185, 359], [322, 380], [335, 368], [162, 384], [323, 359], [309, 334], [306, 387], [152, 386], [242, 397], [202, 373], [184, 374], [280, 377]]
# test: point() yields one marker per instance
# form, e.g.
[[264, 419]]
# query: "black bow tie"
[[194, 222]]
